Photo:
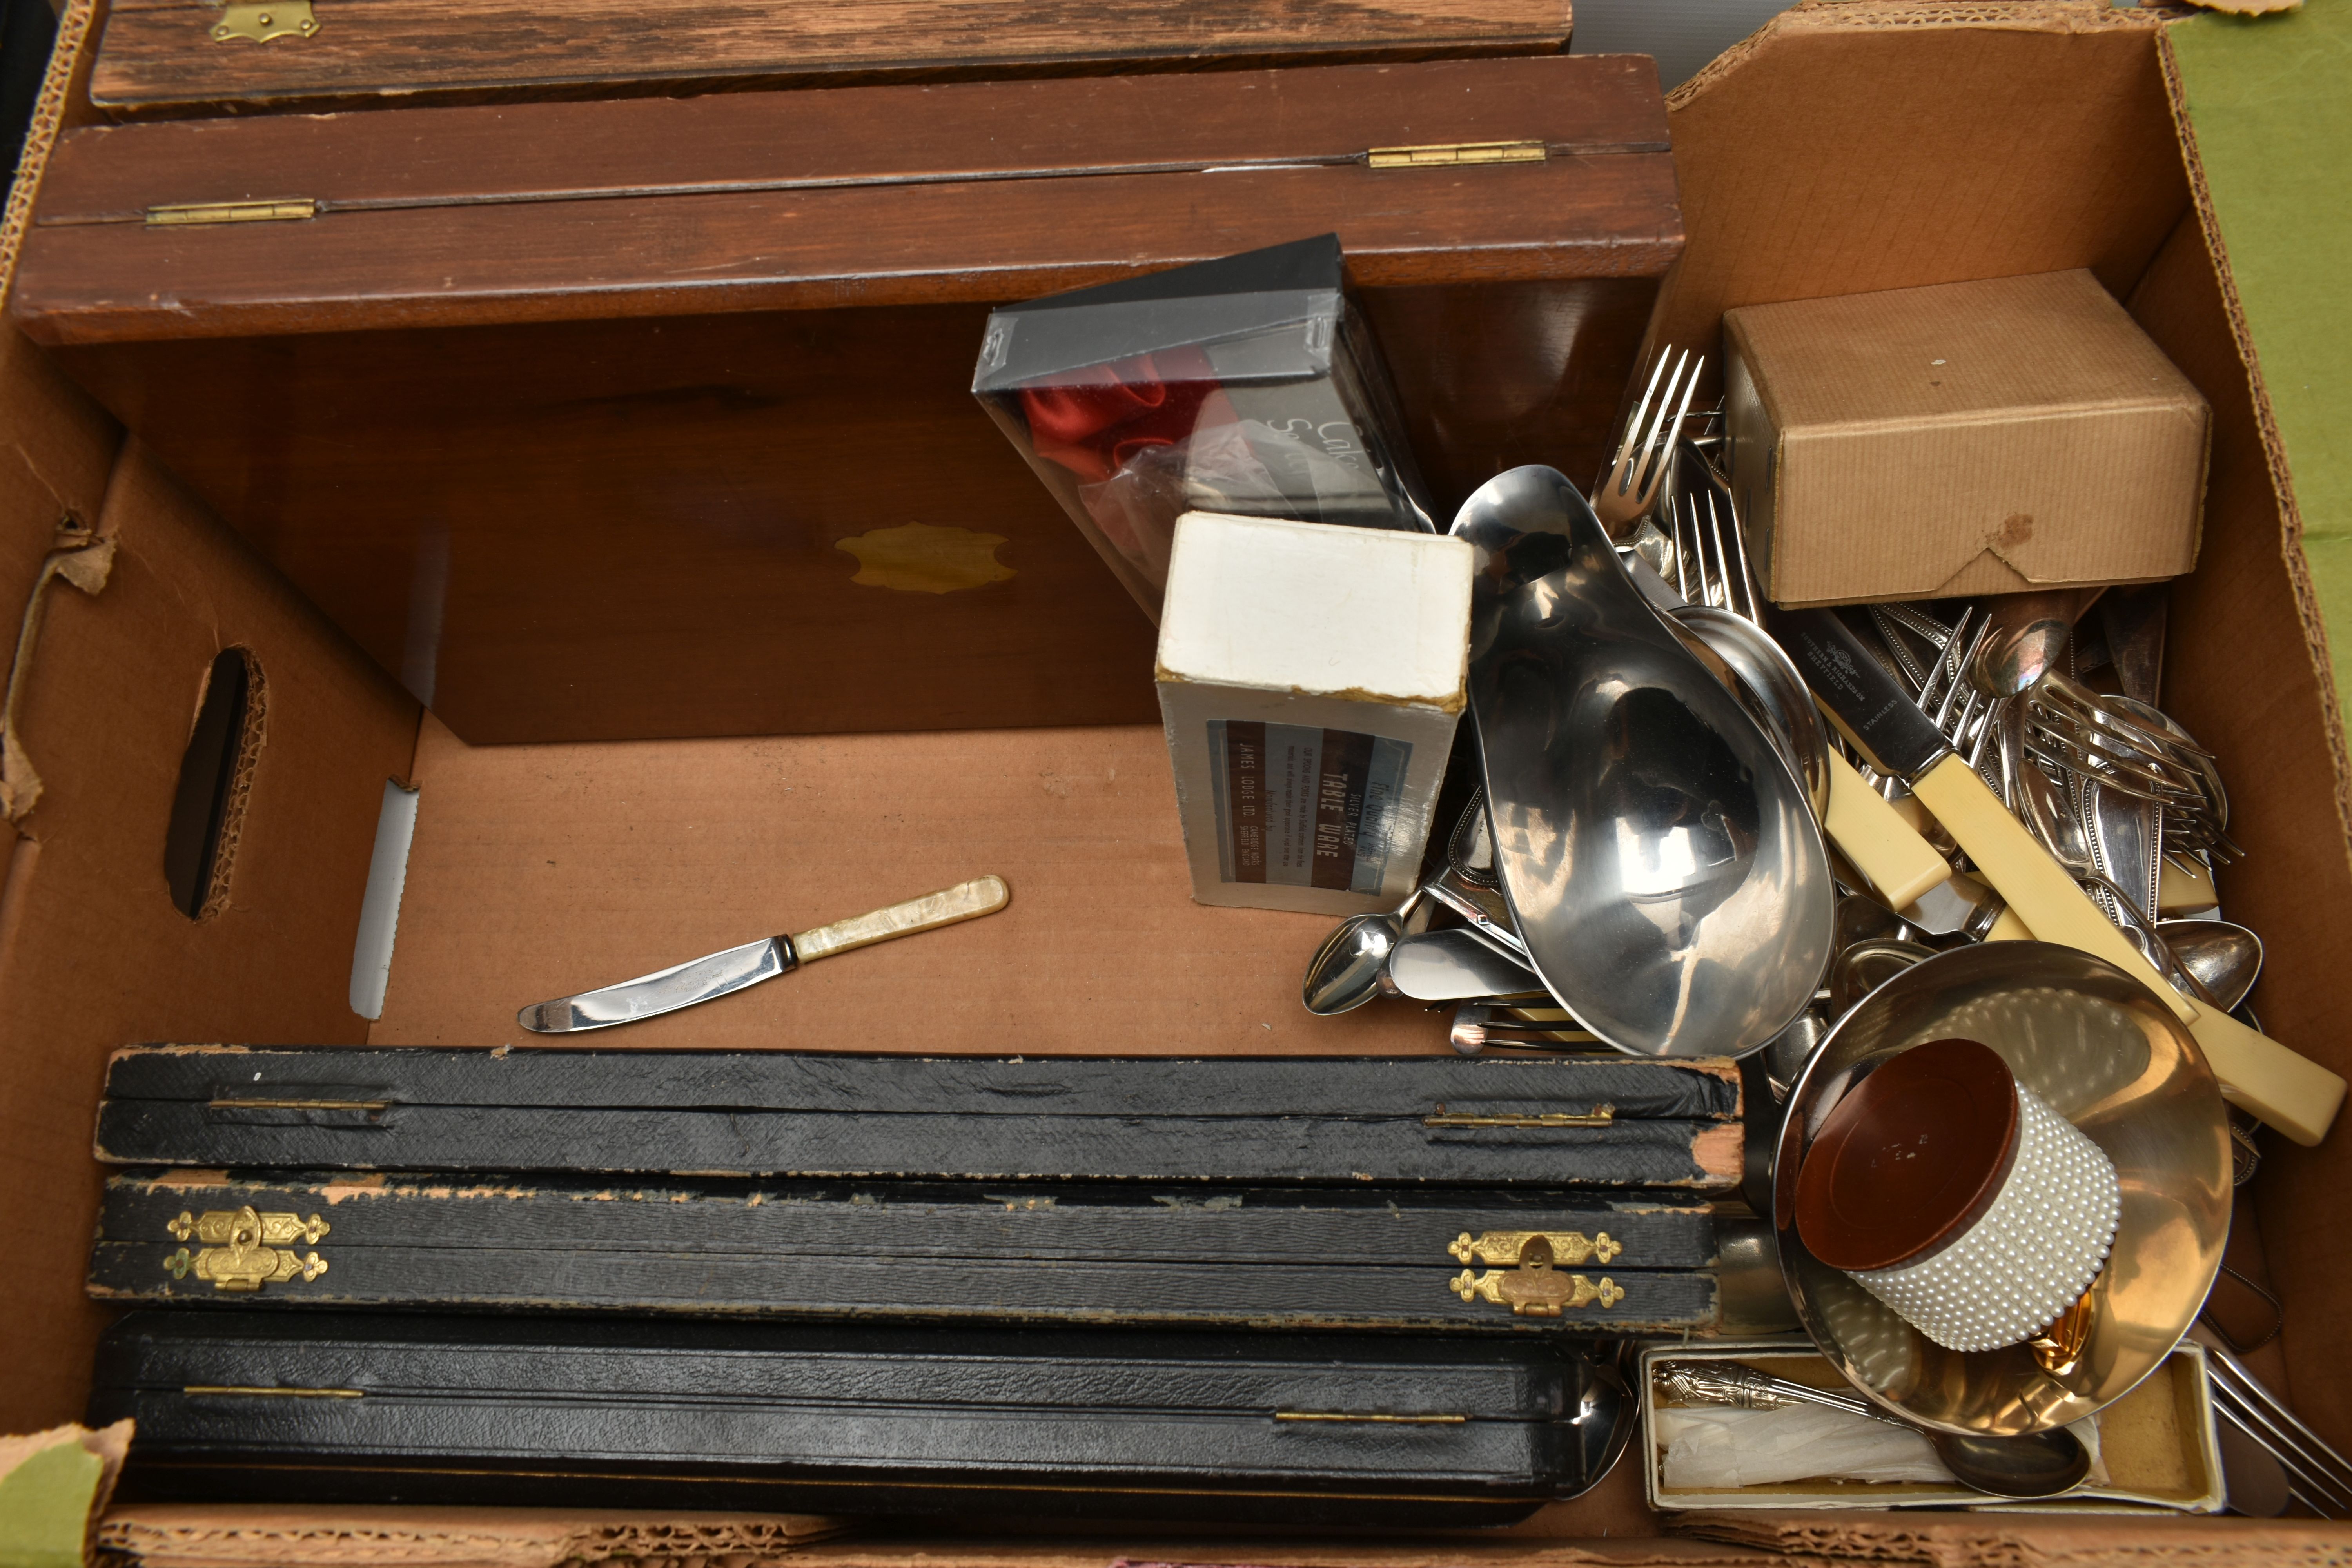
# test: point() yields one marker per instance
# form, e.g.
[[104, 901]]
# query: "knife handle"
[[1877, 842], [2290, 1092], [964, 901]]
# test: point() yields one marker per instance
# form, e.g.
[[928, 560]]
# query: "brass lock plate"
[[1536, 1293], [278, 19], [244, 1249]]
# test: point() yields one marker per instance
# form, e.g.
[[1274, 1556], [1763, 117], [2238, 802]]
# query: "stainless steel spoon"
[[2226, 958], [1658, 855], [1346, 971], [2042, 1463], [2025, 635]]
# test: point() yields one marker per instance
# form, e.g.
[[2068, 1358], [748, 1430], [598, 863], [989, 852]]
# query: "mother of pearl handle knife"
[[701, 979], [2290, 1092]]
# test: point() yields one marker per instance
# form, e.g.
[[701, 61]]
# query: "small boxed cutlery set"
[[1653, 917]]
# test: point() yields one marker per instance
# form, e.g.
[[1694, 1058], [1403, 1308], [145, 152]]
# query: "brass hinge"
[[232, 212], [252, 1391], [1370, 1417], [1456, 154], [1535, 1288], [244, 1249], [1598, 1116], [272, 20]]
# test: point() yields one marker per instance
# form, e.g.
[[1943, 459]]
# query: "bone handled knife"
[[701, 979], [2290, 1092]]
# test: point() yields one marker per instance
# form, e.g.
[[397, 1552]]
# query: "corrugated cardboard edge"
[[235, 1536], [2041, 1541], [2298, 568], [70, 59], [243, 1536], [1850, 15]]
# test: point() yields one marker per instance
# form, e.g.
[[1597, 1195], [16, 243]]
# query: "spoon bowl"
[[2040, 1464], [2226, 958], [1346, 971]]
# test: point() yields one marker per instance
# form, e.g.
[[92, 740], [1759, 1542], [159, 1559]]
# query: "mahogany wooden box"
[[203, 57], [650, 417]]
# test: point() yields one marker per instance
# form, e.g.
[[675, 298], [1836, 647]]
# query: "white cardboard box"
[[1310, 678]]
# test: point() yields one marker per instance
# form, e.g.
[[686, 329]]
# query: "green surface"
[[44, 1508], [2270, 101]]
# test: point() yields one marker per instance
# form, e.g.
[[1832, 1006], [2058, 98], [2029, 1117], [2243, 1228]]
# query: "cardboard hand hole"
[[215, 773]]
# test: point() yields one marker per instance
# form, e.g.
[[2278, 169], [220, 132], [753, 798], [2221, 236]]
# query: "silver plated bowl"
[[2105, 1054]]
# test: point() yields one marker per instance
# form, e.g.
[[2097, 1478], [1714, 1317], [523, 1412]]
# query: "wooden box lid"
[[1492, 171], [181, 57]]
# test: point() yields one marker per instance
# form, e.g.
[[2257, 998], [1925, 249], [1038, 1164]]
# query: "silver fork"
[[1705, 518], [1630, 491]]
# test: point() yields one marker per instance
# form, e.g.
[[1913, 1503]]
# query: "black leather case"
[[1393, 1429]]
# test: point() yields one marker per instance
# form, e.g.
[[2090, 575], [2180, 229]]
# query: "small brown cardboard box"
[[1983, 437]]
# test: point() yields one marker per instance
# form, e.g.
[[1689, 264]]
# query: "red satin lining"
[[1094, 428]]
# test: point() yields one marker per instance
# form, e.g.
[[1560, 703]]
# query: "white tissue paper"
[[1720, 1448]]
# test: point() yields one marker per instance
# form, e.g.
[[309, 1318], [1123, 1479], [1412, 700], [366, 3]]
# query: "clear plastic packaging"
[[1247, 385]]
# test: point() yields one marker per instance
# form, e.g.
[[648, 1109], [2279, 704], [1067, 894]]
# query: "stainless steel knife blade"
[[663, 991], [1868, 703], [702, 979]]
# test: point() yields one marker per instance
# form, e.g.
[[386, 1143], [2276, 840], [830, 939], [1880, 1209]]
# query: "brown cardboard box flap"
[[2019, 1541], [1969, 438]]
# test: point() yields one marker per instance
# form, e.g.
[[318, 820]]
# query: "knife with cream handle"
[[1876, 841], [2290, 1092], [701, 979]]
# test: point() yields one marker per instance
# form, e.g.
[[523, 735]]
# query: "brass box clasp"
[[1535, 1288], [1506, 1248], [244, 1249]]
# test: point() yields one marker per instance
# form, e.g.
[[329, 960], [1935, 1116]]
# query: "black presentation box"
[[1602, 1121], [352, 1407], [1289, 1258]]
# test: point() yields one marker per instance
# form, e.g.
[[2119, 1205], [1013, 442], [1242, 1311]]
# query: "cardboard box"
[[1982, 437], [1310, 679], [1850, 148]]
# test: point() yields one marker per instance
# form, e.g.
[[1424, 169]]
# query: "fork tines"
[[1629, 489]]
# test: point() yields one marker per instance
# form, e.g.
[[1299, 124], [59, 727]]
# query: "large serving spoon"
[[2041, 1463]]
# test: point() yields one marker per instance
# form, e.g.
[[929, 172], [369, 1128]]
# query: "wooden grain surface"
[[871, 196], [577, 469], [159, 55]]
